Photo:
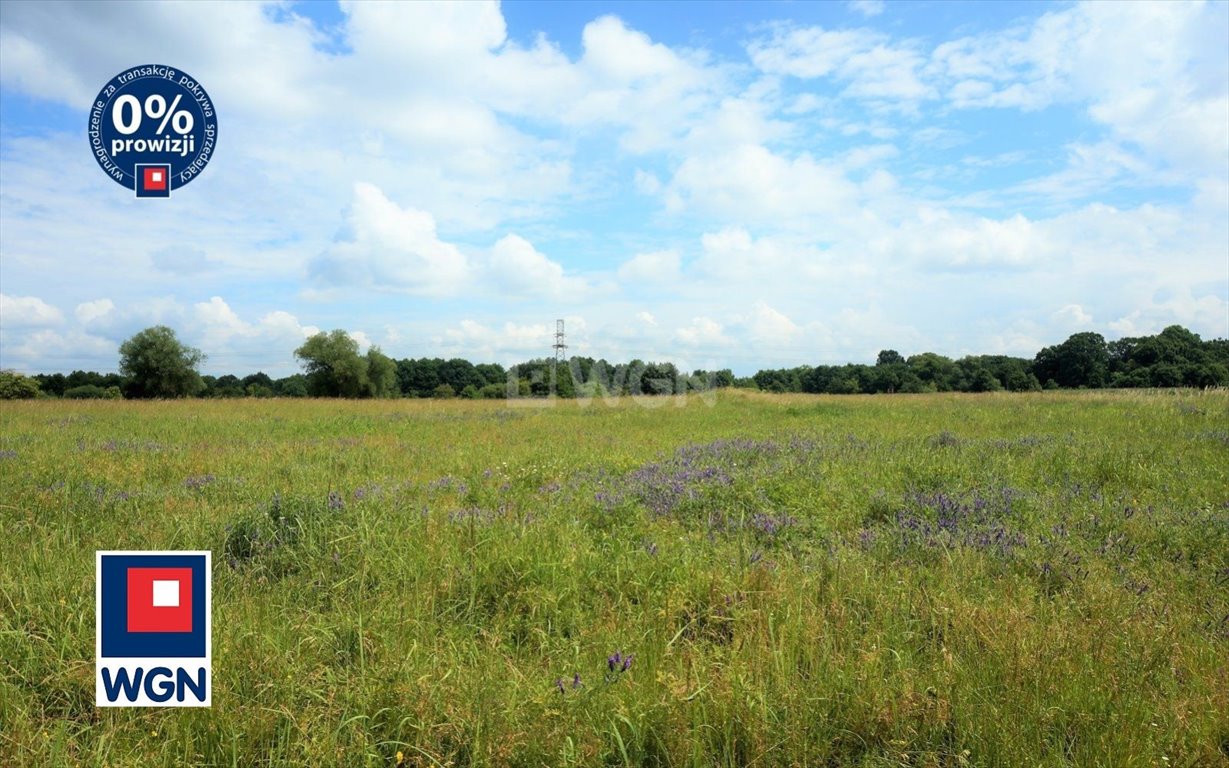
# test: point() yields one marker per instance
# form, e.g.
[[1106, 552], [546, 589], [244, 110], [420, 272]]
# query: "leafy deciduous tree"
[[156, 364], [335, 368]]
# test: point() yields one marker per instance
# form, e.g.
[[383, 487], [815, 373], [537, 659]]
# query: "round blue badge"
[[153, 129]]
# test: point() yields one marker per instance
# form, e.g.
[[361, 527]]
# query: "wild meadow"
[[728, 580]]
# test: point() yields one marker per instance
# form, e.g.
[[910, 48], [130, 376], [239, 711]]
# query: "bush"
[[291, 386], [87, 392], [493, 392], [15, 386], [592, 389], [443, 391], [470, 392]]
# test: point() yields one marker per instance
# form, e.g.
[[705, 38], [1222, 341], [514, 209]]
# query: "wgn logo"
[[152, 629]]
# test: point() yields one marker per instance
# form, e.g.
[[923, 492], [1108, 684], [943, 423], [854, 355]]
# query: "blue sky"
[[719, 184]]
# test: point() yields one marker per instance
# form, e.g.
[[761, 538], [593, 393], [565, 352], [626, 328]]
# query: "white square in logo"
[[166, 594], [157, 176]]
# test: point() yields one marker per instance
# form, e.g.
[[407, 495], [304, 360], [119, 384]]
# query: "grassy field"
[[954, 580]]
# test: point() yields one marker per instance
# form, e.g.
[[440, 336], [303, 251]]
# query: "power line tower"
[[558, 346]]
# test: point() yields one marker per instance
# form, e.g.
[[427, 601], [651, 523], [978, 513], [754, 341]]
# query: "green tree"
[[259, 379], [782, 379], [659, 379], [843, 384], [565, 385], [418, 378], [52, 384], [79, 378], [460, 374], [888, 376], [982, 380], [1166, 375], [936, 372], [15, 386], [889, 357], [259, 390], [335, 368], [381, 375], [226, 386], [1083, 360], [492, 373], [156, 364], [294, 385]]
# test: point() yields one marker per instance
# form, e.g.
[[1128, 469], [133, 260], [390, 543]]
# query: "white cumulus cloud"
[[27, 311], [387, 247], [518, 269]]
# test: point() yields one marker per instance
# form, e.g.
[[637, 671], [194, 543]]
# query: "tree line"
[[154, 363], [1175, 357]]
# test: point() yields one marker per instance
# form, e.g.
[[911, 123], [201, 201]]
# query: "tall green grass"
[[872, 581]]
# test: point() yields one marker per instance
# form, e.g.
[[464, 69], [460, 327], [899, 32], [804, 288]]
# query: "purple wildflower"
[[770, 525], [442, 484], [196, 483]]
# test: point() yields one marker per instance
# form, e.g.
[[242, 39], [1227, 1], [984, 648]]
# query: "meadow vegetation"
[[907, 580]]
